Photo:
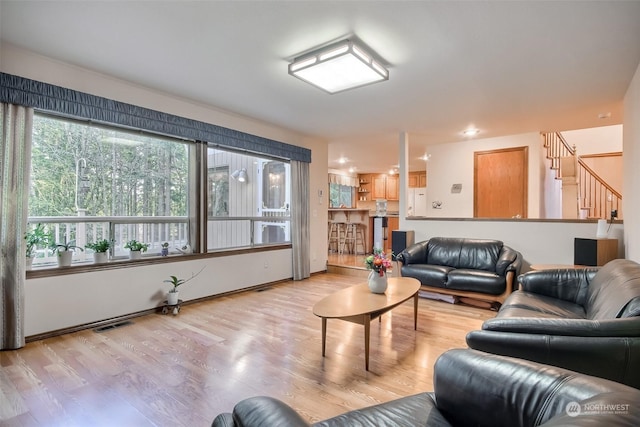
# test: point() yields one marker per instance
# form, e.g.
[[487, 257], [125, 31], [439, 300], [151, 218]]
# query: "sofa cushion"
[[417, 410], [476, 280], [474, 254], [526, 304], [613, 287]]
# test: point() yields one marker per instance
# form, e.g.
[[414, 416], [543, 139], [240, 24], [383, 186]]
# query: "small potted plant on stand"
[[165, 249], [136, 248], [172, 295], [65, 252], [36, 237], [100, 248]]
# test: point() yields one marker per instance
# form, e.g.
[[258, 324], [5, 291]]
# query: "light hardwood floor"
[[183, 370]]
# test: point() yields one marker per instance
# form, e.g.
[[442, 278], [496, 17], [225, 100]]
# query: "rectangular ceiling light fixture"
[[338, 67]]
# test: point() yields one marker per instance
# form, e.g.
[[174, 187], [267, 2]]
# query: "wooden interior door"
[[500, 183]]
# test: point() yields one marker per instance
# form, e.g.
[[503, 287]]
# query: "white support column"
[[403, 161]]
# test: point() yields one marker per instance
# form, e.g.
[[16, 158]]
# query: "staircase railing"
[[597, 197]]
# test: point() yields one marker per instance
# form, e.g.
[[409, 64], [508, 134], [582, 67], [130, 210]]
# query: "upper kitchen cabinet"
[[385, 187], [417, 179]]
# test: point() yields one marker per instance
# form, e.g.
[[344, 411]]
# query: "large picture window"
[[249, 200], [92, 182]]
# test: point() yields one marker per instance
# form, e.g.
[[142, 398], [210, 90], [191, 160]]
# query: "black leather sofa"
[[586, 320], [473, 388], [480, 269]]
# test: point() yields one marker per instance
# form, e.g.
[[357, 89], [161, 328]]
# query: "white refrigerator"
[[417, 201]]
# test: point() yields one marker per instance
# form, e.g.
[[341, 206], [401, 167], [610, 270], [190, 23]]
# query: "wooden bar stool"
[[354, 238], [336, 235], [349, 240], [359, 242]]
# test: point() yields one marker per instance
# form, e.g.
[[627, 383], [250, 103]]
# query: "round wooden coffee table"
[[357, 304]]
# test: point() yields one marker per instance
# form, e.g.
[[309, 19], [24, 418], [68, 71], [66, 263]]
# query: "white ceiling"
[[506, 67]]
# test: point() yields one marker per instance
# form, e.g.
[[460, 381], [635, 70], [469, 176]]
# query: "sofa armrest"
[[509, 261], [627, 327], [261, 411], [613, 358], [472, 386], [414, 254], [568, 284]]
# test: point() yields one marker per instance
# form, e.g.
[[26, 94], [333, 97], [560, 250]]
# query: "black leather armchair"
[[586, 320], [480, 269], [475, 389]]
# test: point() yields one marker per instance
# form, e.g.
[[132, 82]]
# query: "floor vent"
[[114, 326], [264, 289]]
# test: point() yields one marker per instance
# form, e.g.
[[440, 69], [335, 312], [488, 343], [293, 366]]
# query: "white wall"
[[452, 163], [60, 302], [631, 159], [605, 139], [54, 303]]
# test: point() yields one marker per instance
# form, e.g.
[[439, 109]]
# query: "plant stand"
[[173, 308]]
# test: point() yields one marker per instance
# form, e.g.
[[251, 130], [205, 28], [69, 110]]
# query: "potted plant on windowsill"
[[101, 249], [35, 238], [65, 252], [136, 248]]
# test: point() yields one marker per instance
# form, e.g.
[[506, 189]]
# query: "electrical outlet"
[[614, 214]]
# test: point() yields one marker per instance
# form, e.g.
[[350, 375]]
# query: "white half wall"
[[539, 241]]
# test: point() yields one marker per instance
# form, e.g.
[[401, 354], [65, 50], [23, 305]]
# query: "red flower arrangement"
[[378, 262]]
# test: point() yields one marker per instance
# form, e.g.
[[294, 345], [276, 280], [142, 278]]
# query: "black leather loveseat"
[[475, 268], [474, 389], [586, 320]]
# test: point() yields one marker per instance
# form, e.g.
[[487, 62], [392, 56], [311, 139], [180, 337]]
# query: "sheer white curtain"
[[15, 162], [300, 220]]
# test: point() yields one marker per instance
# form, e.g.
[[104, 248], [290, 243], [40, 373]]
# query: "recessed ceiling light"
[[426, 157], [342, 160], [352, 170], [604, 115], [470, 132]]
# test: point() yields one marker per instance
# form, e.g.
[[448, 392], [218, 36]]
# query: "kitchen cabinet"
[[385, 187], [417, 179]]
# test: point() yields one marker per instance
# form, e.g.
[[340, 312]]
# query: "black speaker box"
[[585, 252], [401, 240]]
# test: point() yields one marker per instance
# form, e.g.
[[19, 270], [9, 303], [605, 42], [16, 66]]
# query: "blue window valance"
[[43, 96]]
